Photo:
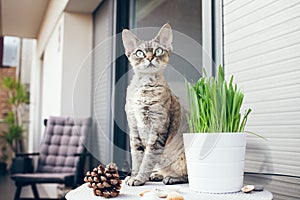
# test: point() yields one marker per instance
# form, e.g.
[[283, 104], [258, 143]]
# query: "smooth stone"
[[258, 187]]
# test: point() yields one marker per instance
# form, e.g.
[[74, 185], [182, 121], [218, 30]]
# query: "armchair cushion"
[[61, 144]]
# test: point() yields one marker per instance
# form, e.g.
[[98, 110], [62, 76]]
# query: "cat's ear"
[[165, 36], [130, 41]]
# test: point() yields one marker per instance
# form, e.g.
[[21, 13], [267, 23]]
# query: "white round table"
[[132, 193]]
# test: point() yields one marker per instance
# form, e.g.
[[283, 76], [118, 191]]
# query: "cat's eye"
[[139, 54], [158, 51]]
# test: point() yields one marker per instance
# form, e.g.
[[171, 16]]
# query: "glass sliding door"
[[110, 141], [185, 18]]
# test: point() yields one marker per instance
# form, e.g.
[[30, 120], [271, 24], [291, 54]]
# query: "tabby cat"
[[153, 112]]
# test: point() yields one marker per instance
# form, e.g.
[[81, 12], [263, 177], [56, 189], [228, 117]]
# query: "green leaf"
[[10, 118], [215, 105], [262, 137]]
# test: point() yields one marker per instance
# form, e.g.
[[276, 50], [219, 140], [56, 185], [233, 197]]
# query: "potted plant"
[[215, 146], [17, 98]]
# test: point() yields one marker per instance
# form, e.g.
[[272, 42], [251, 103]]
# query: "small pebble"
[[149, 196], [174, 196], [144, 192], [161, 193], [173, 188], [247, 188], [258, 187]]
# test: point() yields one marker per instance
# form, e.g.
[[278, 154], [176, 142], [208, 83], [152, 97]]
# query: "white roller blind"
[[102, 82], [262, 51]]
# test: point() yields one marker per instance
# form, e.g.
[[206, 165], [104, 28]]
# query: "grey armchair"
[[61, 155]]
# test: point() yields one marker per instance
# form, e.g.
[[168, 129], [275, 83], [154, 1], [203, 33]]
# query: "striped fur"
[[153, 112]]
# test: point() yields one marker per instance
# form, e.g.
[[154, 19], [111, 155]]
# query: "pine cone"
[[104, 181]]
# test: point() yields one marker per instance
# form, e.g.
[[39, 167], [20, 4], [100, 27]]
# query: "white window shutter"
[[262, 51]]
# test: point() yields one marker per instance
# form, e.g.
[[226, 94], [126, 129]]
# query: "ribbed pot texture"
[[215, 161]]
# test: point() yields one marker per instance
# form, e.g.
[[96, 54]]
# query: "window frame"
[[212, 41]]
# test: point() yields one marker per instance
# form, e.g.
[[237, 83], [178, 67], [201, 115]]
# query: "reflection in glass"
[[185, 18]]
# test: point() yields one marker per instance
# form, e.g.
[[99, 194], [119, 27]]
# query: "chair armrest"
[[27, 154], [22, 163]]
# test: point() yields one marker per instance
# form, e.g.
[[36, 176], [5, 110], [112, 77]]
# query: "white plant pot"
[[215, 161]]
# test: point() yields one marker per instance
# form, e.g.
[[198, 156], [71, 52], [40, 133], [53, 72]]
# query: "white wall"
[[262, 51], [77, 47], [52, 72], [28, 47], [27, 63], [66, 50], [54, 11], [34, 101]]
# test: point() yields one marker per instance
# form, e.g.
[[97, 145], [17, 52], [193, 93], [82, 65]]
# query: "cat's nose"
[[149, 56]]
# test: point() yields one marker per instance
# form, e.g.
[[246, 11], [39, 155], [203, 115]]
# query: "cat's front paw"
[[134, 181], [155, 176], [168, 180]]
